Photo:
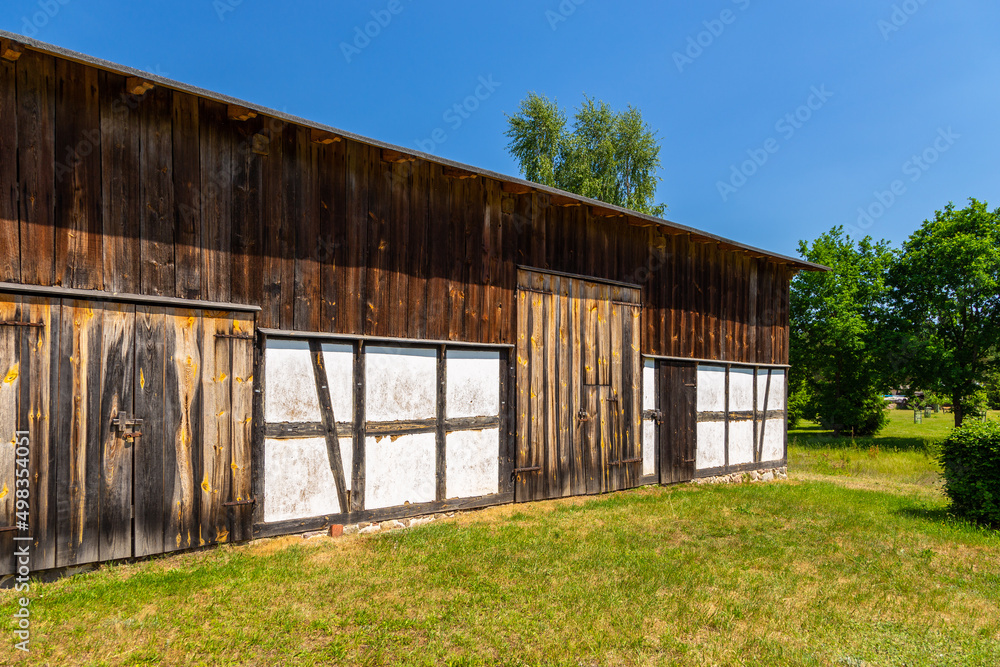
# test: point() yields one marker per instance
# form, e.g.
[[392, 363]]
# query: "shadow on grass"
[[944, 515], [816, 438]]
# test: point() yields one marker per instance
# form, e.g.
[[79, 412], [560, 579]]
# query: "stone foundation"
[[766, 475]]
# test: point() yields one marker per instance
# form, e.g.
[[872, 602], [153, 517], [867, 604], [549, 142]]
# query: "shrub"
[[970, 457]]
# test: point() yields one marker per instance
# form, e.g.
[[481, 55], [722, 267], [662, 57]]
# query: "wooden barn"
[[219, 322]]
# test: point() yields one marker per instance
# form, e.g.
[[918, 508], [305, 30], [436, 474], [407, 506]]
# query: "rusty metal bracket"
[[126, 426], [518, 471], [625, 461], [234, 336], [237, 503], [36, 325], [583, 416]]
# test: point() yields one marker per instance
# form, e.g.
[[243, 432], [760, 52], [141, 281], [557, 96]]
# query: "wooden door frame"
[[627, 298]]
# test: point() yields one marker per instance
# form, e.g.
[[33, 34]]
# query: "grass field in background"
[[853, 564]]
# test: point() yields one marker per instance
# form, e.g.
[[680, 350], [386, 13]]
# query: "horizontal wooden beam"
[[395, 157], [117, 297], [293, 526], [138, 86], [240, 113], [517, 188], [602, 212], [291, 431], [380, 340], [460, 174], [714, 362], [563, 201], [323, 137], [739, 416], [10, 50]]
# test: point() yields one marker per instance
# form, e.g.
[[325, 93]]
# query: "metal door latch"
[[583, 416], [127, 427]]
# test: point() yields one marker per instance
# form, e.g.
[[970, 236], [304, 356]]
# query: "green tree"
[[608, 156], [946, 296], [838, 373]]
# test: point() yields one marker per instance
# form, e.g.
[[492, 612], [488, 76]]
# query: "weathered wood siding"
[[165, 195]]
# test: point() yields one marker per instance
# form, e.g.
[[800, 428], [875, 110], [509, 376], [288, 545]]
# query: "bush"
[[970, 457]]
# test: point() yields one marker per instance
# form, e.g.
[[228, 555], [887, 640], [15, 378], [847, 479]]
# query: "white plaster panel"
[[774, 440], [741, 389], [776, 399], [649, 385], [400, 470], [473, 384], [711, 388], [648, 447], [473, 463], [741, 441], [711, 445], [339, 362], [401, 383], [289, 383], [298, 478]]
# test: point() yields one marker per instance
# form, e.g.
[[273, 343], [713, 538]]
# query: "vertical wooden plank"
[[78, 418], [186, 158], [216, 424], [577, 376], [78, 177], [334, 252], [635, 410], [278, 244], [378, 269], [417, 257], [455, 261], [522, 384], [616, 330], [565, 418], [241, 402], [492, 311], [10, 233], [156, 192], [117, 377], [302, 190], [439, 235], [256, 460], [36, 159], [510, 224], [10, 386], [182, 417], [472, 281], [120, 186], [358, 483], [353, 317], [752, 292], [216, 200], [551, 473], [246, 263], [148, 493], [37, 356], [440, 435], [537, 442], [395, 320]]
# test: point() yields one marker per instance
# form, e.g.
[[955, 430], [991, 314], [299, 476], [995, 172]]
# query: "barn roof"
[[520, 184]]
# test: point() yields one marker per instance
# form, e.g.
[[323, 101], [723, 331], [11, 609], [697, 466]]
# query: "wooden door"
[[578, 376], [70, 373], [678, 420]]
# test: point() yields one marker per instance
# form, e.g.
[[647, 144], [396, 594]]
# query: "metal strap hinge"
[[237, 503], [234, 336], [37, 325]]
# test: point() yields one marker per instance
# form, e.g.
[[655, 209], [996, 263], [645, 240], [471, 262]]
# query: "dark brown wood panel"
[[120, 150], [117, 376], [148, 457], [10, 233], [677, 428], [78, 214], [156, 204], [36, 166]]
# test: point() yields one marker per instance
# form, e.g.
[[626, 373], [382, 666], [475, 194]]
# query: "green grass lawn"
[[841, 565]]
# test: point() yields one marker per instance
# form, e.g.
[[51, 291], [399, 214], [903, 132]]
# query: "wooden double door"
[[578, 377], [133, 424]]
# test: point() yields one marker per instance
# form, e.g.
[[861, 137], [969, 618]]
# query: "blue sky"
[[887, 81]]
